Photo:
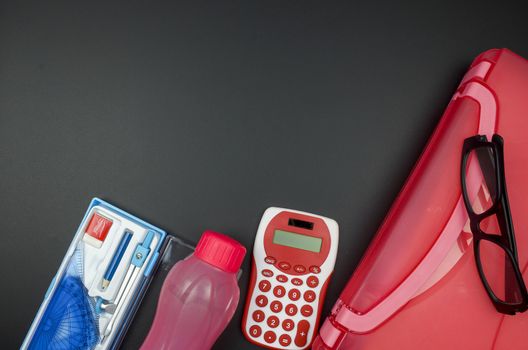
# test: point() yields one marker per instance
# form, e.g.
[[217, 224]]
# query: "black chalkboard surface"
[[200, 115]]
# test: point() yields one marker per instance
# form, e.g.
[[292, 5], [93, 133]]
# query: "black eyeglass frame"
[[501, 209]]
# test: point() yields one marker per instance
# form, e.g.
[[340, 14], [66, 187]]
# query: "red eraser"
[[97, 229]]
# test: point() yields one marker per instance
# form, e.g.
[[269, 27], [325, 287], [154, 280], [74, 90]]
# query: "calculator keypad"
[[284, 307]]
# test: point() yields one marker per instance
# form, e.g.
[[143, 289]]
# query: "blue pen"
[[116, 259]]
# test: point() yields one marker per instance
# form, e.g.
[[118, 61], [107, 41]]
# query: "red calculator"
[[293, 257]]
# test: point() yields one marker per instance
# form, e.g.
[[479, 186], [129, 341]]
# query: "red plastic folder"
[[417, 286]]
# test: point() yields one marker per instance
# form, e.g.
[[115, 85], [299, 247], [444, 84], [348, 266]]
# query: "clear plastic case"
[[175, 249], [100, 282]]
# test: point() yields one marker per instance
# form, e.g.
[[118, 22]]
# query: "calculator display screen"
[[295, 240]]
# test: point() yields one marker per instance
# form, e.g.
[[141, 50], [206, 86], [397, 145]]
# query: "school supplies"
[[70, 321], [99, 284], [110, 271], [198, 297], [97, 230], [138, 259], [417, 286], [293, 258]]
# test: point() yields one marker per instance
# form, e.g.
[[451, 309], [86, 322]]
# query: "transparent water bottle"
[[198, 297]]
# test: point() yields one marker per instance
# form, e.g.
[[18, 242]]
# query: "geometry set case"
[[417, 286], [102, 280]]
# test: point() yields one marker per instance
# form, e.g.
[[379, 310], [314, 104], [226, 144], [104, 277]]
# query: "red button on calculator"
[[276, 306], [282, 278], [288, 324], [306, 310], [297, 281], [309, 296], [299, 269], [291, 309], [312, 281], [302, 333], [261, 300], [315, 269], [264, 286], [270, 337], [255, 331], [270, 260], [285, 340], [267, 273], [294, 294], [273, 321], [283, 265], [279, 291], [258, 316]]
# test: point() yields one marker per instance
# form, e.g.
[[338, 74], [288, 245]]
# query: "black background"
[[200, 115]]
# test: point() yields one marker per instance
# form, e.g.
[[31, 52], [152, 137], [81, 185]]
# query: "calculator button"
[[306, 310], [302, 333], [312, 281], [294, 294], [282, 278], [309, 296], [255, 331], [285, 340], [269, 337], [315, 269], [291, 309], [267, 273], [270, 260], [283, 265], [279, 291], [258, 316], [264, 285], [261, 300], [275, 306], [288, 324], [299, 269], [297, 281], [273, 321]]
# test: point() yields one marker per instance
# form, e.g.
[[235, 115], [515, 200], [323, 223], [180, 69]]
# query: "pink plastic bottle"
[[199, 296]]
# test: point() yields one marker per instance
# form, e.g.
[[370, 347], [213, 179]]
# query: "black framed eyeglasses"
[[486, 200]]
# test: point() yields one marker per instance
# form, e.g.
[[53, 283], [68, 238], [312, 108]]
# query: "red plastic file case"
[[417, 286]]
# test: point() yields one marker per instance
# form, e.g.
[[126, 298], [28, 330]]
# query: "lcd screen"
[[295, 240]]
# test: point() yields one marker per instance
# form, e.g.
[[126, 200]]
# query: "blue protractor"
[[70, 321]]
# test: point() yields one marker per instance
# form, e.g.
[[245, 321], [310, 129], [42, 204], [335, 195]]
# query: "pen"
[[116, 259]]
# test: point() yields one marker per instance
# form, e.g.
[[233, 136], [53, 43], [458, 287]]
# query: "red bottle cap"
[[221, 251]]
